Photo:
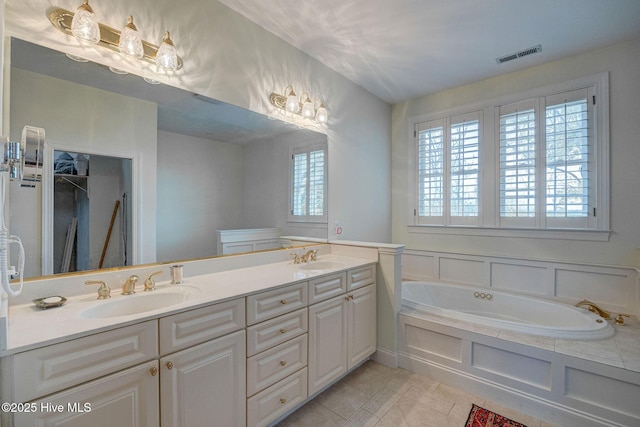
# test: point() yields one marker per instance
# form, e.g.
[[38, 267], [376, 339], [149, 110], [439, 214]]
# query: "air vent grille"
[[525, 52]]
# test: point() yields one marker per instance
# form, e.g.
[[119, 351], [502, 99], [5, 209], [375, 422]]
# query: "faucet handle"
[[296, 258], [104, 291], [149, 283], [619, 318]]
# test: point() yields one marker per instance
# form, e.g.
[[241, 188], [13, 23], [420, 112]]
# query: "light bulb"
[[167, 56], [292, 102], [84, 25], [321, 115], [307, 109], [130, 42]]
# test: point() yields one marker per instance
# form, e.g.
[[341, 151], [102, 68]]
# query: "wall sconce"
[[301, 106], [84, 26]]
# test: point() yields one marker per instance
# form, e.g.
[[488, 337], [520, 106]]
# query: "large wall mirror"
[[194, 165]]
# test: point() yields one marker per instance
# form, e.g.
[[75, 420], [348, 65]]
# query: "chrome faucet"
[[310, 256], [592, 307], [129, 286], [150, 284]]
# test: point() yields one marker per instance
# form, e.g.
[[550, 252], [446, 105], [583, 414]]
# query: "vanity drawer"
[[192, 327], [276, 331], [275, 364], [360, 277], [272, 403], [55, 367], [326, 287], [266, 305]]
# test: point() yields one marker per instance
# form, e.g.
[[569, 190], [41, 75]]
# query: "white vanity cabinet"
[[342, 330], [181, 370], [277, 353]]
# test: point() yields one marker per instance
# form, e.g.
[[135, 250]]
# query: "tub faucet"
[[129, 286], [592, 307]]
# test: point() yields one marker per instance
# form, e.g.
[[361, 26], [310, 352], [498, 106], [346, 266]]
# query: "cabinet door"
[[362, 325], [327, 342], [206, 384], [126, 399]]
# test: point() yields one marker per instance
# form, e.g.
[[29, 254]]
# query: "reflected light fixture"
[[130, 42], [167, 56], [303, 107], [84, 26]]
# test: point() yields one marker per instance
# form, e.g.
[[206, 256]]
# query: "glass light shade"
[[130, 41], [84, 25], [167, 56], [307, 109], [292, 102], [321, 115]]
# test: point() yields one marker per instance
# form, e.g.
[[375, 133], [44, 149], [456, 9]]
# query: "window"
[[544, 163], [308, 184], [448, 170]]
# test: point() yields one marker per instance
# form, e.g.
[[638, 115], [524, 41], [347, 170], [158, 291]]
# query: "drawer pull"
[[283, 301], [283, 401], [283, 362], [154, 371], [283, 331], [169, 365]]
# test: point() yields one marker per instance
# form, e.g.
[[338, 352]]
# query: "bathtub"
[[505, 311]]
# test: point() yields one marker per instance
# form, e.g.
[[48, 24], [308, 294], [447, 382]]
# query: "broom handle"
[[106, 240]]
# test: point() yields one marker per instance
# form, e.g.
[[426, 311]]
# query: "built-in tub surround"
[[506, 311]]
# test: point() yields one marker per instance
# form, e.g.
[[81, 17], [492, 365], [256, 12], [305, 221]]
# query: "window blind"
[[299, 180], [464, 165], [517, 163], [431, 171], [567, 159], [308, 184]]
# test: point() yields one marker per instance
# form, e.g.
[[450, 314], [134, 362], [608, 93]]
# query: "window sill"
[[526, 233]]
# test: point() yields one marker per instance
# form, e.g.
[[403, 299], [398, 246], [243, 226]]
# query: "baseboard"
[[385, 357]]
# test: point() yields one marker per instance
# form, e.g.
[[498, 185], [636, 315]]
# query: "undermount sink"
[[141, 302], [321, 265]]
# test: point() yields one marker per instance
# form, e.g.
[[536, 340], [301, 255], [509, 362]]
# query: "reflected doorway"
[[91, 211]]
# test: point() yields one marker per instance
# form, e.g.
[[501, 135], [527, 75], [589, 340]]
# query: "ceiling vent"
[[525, 52]]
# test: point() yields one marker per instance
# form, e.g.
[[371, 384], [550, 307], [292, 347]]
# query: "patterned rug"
[[481, 417]]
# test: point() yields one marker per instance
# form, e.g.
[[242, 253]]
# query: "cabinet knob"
[[169, 365], [283, 301], [154, 371], [283, 331], [283, 362], [283, 401]]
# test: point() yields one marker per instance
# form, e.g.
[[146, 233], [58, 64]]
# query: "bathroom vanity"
[[235, 353]]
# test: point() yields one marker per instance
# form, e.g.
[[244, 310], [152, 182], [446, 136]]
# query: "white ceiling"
[[401, 49]]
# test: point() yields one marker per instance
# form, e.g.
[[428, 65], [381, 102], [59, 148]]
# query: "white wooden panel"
[[126, 399], [272, 365], [419, 341], [418, 266], [520, 278], [360, 277], [193, 327], [275, 401], [266, 305], [276, 331], [327, 342], [462, 271], [602, 286], [510, 365], [361, 342], [206, 384], [49, 369], [327, 287]]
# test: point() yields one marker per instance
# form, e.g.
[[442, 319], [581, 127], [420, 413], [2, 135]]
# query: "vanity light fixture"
[[302, 107], [130, 42], [82, 25]]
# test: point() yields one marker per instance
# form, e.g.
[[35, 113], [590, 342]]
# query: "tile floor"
[[375, 395]]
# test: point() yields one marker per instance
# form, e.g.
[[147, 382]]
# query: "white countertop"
[[30, 327]]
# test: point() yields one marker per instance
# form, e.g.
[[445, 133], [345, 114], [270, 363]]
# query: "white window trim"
[[489, 215]]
